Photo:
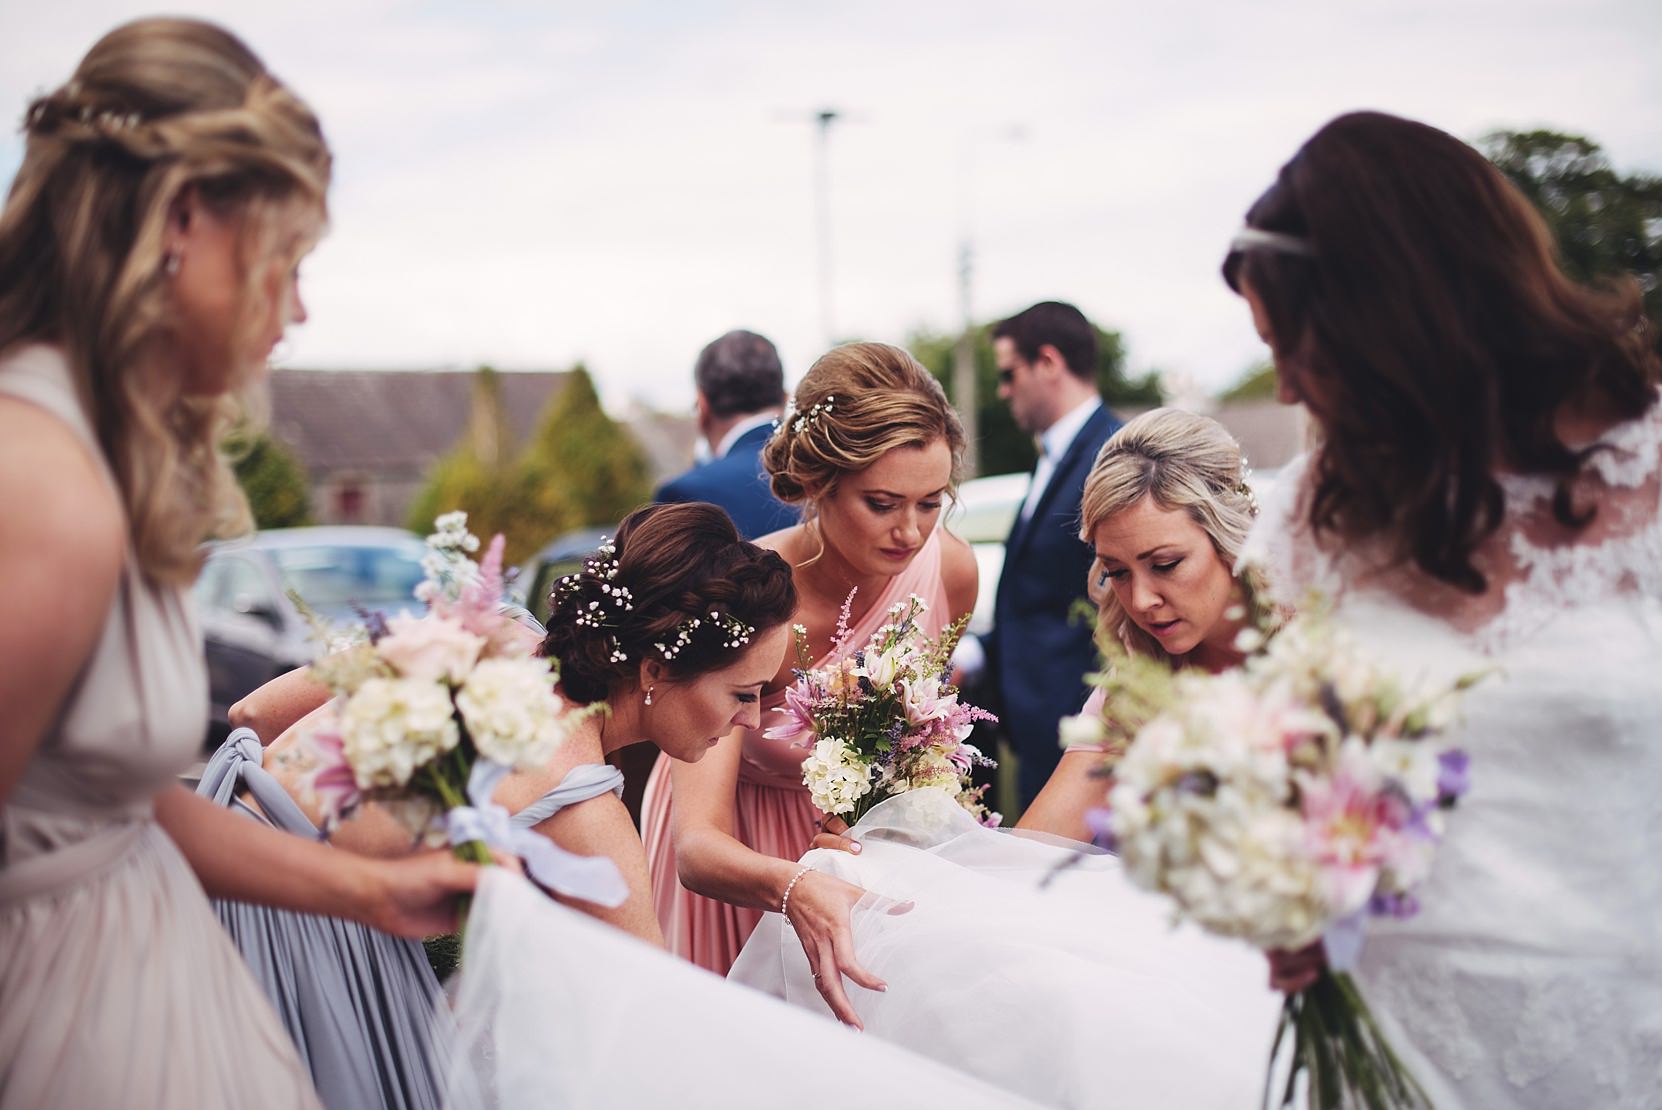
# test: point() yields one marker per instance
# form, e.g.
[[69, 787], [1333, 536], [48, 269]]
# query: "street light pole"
[[963, 363], [825, 117], [964, 378]]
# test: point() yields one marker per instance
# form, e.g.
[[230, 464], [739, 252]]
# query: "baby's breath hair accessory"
[[1244, 487], [797, 422], [606, 599], [734, 633]]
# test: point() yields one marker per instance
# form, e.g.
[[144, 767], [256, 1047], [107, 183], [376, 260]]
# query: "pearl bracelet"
[[785, 902]]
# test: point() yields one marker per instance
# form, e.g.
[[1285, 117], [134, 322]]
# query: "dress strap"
[[585, 781], [239, 763]]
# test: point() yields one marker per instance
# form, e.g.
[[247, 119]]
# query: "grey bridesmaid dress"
[[363, 1006]]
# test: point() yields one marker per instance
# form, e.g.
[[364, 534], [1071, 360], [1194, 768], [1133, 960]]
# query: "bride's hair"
[[677, 584], [1187, 463], [157, 107], [1416, 305], [855, 404]]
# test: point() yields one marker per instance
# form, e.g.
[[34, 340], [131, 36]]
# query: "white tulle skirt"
[[553, 1009], [1031, 962]]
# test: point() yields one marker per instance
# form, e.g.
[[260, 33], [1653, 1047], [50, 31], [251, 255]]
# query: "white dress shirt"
[[1054, 442]]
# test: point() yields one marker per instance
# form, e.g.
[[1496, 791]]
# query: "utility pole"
[[963, 363], [825, 117], [964, 378]]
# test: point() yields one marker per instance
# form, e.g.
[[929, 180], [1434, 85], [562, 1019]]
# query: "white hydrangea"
[[1082, 730], [834, 780], [512, 712], [392, 726]]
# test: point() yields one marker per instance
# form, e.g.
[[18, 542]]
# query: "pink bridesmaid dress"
[[772, 813]]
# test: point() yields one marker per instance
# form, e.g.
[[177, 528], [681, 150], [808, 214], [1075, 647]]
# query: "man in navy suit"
[[741, 390], [1039, 652]]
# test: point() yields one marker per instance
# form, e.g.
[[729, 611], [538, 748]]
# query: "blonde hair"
[[1187, 463], [157, 107], [857, 402]]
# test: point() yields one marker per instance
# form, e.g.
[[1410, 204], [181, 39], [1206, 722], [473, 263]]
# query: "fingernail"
[[855, 847]]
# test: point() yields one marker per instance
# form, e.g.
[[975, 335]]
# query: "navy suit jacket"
[[1039, 654], [738, 484]]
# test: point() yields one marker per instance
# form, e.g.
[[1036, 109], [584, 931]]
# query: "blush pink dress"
[[771, 812]]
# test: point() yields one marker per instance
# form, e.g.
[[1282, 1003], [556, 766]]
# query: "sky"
[[528, 184]]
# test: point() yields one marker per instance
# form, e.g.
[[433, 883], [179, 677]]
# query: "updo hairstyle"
[[855, 404], [669, 566], [1187, 463]]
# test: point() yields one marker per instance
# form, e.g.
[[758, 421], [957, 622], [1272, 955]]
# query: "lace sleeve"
[[1280, 546]]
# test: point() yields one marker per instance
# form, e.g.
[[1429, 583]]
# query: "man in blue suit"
[[741, 390], [1039, 651]]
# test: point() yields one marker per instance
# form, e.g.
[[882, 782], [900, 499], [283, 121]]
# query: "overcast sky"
[[530, 183]]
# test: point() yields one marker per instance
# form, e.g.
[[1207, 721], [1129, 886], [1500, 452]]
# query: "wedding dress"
[[555, 1009], [1532, 975], [1031, 962]]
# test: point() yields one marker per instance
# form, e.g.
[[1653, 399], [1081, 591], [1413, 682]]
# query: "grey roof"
[[1269, 432], [392, 421]]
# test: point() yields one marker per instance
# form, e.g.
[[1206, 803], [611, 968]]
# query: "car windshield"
[[332, 578]]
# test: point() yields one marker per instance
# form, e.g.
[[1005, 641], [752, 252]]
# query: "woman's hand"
[[833, 834], [1291, 972], [819, 911], [416, 896]]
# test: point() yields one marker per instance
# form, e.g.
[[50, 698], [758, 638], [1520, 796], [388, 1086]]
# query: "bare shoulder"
[[960, 573], [60, 513], [787, 541], [522, 788]]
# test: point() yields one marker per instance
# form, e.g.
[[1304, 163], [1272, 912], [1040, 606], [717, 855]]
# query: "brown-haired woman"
[[871, 450], [361, 1005], [1486, 494], [148, 254]]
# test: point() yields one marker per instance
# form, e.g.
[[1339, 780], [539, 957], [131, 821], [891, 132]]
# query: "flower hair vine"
[[599, 577], [735, 633], [796, 422]]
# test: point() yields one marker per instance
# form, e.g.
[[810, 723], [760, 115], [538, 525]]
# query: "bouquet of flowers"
[[883, 719], [433, 711], [1283, 803]]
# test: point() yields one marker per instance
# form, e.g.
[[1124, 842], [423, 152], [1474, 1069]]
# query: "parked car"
[[562, 556], [253, 632], [982, 515]]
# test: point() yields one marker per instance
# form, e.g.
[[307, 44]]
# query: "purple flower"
[[1453, 775], [1099, 821], [1394, 905], [798, 727]]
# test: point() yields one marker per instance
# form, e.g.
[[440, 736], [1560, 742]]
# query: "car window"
[[333, 578], [241, 586]]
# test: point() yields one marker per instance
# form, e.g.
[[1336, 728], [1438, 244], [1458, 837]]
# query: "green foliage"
[[476, 478], [1605, 223], [1004, 447], [278, 491], [444, 954], [1256, 383], [580, 468], [580, 455]]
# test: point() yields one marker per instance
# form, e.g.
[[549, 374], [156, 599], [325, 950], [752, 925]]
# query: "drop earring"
[[170, 263], [649, 690]]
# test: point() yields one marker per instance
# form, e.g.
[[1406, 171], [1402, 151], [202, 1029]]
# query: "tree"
[[583, 457], [1605, 223], [1256, 383], [1005, 448], [279, 493], [476, 478]]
